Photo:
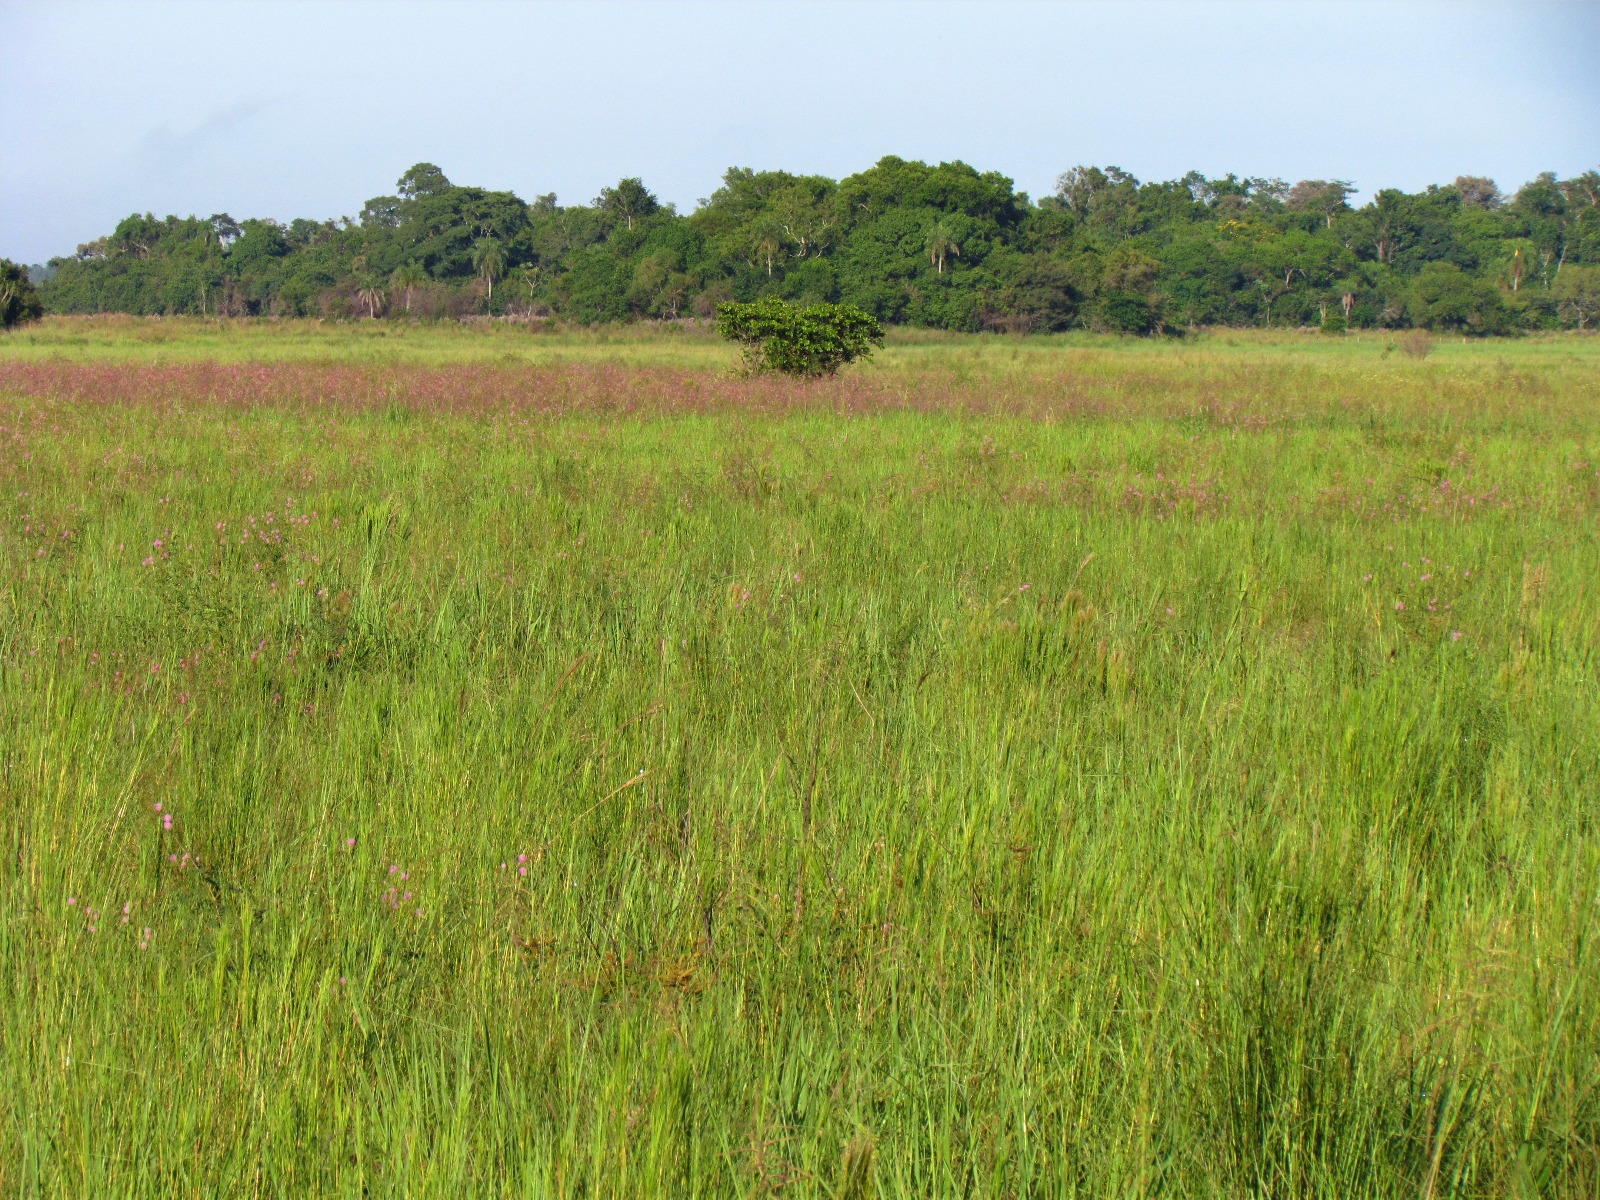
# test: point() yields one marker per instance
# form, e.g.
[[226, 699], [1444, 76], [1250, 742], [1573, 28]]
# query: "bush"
[[1416, 343], [1333, 326], [811, 342], [19, 301]]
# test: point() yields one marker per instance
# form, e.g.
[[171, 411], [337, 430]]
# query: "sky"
[[294, 108]]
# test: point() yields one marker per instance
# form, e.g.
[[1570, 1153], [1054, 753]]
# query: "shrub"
[[1333, 325], [1416, 343], [812, 341]]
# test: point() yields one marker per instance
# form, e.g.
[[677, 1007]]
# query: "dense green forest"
[[942, 246]]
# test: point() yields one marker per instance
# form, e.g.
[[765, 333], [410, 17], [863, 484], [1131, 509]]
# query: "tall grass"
[[1123, 772]]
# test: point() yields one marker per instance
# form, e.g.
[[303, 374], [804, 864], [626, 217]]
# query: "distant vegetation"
[[940, 246]]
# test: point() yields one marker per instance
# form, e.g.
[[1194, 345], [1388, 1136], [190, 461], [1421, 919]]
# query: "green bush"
[[812, 341], [1334, 325]]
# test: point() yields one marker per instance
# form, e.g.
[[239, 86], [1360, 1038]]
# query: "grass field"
[[486, 761]]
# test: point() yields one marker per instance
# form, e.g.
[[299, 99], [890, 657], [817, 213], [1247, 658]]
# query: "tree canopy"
[[944, 246], [19, 301]]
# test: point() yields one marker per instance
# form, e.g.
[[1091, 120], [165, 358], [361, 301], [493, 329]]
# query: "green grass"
[[1059, 767]]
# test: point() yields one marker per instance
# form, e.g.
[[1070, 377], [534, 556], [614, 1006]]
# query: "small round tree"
[[809, 342], [19, 301]]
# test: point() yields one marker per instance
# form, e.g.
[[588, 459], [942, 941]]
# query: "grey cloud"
[[166, 149]]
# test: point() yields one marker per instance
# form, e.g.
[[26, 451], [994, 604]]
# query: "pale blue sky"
[[306, 109]]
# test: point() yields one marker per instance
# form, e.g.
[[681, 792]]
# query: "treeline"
[[940, 246]]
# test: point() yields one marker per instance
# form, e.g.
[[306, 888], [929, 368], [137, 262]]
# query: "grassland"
[[504, 762]]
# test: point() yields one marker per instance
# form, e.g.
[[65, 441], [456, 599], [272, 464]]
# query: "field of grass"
[[458, 762]]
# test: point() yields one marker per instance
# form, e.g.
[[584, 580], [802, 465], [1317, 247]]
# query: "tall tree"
[[940, 243], [370, 294], [489, 259], [1478, 192], [628, 201], [424, 179], [406, 276], [766, 239]]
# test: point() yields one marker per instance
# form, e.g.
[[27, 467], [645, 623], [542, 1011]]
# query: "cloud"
[[165, 149]]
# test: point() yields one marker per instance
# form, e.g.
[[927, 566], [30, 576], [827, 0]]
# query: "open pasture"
[[499, 762]]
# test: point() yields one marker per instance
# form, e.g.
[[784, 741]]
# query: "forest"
[[946, 246]]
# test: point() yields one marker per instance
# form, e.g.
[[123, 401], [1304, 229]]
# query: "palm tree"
[[489, 257], [941, 242], [370, 294], [768, 242], [407, 276]]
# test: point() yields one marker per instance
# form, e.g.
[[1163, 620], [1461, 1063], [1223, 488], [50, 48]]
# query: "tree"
[[19, 302], [1444, 296], [1107, 251], [809, 342], [408, 275], [489, 260], [1040, 293], [370, 294], [940, 242], [804, 213], [530, 277], [1081, 188], [1124, 312], [1478, 192], [381, 211], [627, 201], [424, 179], [1577, 295], [1325, 197], [766, 239]]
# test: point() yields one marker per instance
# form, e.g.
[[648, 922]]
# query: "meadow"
[[506, 761]]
